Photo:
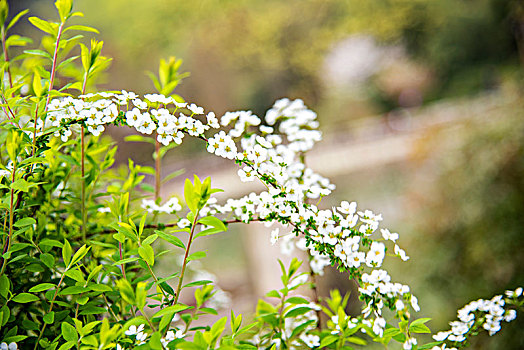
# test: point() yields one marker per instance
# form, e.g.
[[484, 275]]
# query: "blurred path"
[[358, 144]]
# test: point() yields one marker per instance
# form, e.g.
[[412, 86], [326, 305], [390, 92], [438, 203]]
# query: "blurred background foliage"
[[458, 200]]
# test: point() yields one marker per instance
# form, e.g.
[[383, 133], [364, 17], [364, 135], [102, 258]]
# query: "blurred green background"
[[445, 75]]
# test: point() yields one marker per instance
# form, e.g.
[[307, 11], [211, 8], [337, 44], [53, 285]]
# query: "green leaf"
[[139, 138], [429, 345], [196, 256], [100, 287], [171, 239], [273, 294], [391, 332], [154, 341], [14, 338], [171, 309], [64, 8], [198, 283], [82, 28], [75, 274], [68, 345], [41, 287], [124, 261], [48, 260], [419, 328], [25, 222], [37, 84], [93, 310], [48, 27], [297, 311], [421, 320], [172, 175], [23, 298], [149, 240], [297, 300], [4, 286], [67, 251], [208, 232], [190, 196], [16, 18], [141, 295], [80, 253], [126, 291], [49, 317], [39, 53], [23, 185], [330, 339], [356, 340], [84, 53], [51, 243], [147, 253], [141, 225], [71, 290], [213, 221]]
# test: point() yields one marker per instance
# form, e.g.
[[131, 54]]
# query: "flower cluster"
[[155, 112], [10, 346], [169, 207], [140, 337], [487, 313]]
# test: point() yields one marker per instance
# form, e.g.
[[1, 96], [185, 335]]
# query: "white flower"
[[96, 131], [183, 223], [133, 116], [388, 235], [141, 337], [195, 109], [376, 254], [212, 120], [274, 236], [401, 253], [409, 343], [246, 174], [414, 303], [510, 315], [11, 346], [310, 340], [378, 326], [399, 305], [139, 103], [145, 124], [287, 244], [441, 336], [347, 208], [134, 330]]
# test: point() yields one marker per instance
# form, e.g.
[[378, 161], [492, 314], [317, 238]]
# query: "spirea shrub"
[[78, 236]]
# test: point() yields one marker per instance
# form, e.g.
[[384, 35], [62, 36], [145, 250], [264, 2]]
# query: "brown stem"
[[157, 226], [109, 307], [312, 276], [8, 110], [6, 57], [158, 165], [179, 287], [120, 248], [53, 69], [7, 243], [82, 171], [82, 167], [50, 307], [155, 278]]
